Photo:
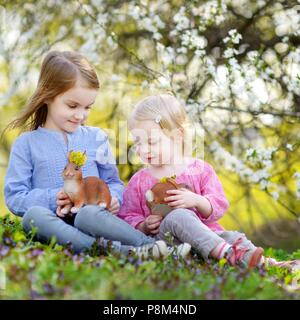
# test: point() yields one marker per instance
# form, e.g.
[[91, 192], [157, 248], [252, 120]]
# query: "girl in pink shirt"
[[159, 128]]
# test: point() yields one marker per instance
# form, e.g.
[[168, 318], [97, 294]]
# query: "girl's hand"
[[182, 198], [62, 200], [114, 206], [60, 214], [151, 224]]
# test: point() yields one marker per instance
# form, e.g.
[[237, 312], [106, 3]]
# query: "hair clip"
[[158, 118]]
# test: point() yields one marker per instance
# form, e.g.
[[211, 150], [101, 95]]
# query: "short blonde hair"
[[163, 109]]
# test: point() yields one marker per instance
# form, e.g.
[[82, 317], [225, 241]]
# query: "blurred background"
[[235, 64]]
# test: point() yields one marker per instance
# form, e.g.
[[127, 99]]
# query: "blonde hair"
[[59, 72], [163, 109]]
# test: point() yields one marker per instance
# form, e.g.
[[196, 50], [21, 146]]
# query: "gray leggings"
[[185, 226], [90, 222]]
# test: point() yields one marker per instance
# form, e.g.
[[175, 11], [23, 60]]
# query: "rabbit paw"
[[75, 210], [102, 205], [64, 210]]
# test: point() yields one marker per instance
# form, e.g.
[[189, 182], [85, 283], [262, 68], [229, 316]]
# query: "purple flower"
[[3, 250], [36, 252], [48, 288]]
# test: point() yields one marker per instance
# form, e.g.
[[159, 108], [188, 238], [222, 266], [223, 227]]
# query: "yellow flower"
[[78, 158], [165, 179]]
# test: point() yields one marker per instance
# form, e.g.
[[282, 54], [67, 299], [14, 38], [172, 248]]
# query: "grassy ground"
[[30, 270]]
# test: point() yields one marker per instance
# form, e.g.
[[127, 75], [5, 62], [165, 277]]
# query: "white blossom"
[[145, 84], [194, 108], [235, 36], [211, 11], [164, 82], [229, 53], [275, 195], [200, 53], [287, 22], [115, 78], [264, 184], [182, 22], [234, 64], [102, 18], [192, 40], [136, 12]]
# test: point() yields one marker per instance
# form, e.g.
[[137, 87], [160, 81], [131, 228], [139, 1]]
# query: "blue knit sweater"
[[37, 160]]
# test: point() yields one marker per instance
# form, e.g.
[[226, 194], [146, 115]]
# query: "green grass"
[[38, 271]]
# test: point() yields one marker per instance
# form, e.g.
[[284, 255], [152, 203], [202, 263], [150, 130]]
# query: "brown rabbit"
[[155, 198], [82, 191]]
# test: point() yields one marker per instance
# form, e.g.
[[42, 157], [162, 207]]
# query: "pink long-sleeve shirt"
[[198, 175]]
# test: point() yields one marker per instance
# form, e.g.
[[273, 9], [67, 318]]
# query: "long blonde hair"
[[59, 72]]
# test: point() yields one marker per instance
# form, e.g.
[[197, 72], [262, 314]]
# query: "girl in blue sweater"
[[54, 118]]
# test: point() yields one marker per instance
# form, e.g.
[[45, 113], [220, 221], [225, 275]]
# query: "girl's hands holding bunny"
[[114, 206], [184, 198], [62, 200]]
